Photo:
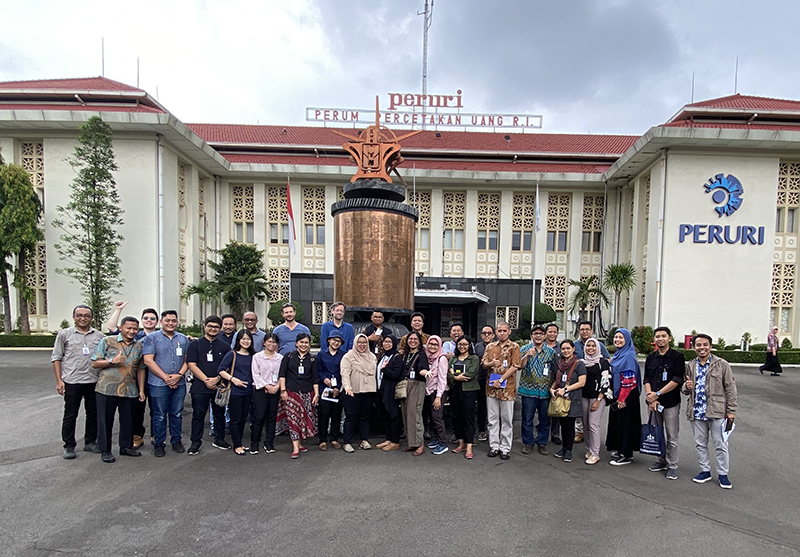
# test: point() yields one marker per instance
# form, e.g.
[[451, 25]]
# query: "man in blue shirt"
[[165, 357], [337, 324], [539, 364], [288, 330]]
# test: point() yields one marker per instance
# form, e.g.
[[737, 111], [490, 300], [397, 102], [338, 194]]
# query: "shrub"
[[757, 347], [786, 344], [642, 337], [27, 341], [745, 357], [276, 317], [543, 314], [194, 330], [610, 336]]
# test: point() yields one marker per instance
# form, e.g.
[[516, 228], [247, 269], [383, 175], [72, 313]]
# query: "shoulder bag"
[[559, 406], [223, 395]]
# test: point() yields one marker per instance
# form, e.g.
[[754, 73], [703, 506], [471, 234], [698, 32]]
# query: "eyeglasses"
[[149, 318], [483, 333], [537, 333], [83, 316], [212, 326]]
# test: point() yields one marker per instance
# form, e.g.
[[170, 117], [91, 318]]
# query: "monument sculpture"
[[374, 228]]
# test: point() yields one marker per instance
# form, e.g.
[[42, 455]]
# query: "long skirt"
[[297, 416]]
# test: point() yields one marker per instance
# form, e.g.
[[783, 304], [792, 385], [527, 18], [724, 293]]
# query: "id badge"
[[563, 378], [546, 371], [209, 357], [333, 381], [412, 374], [179, 351], [505, 363], [376, 348], [274, 378], [301, 370], [85, 350], [664, 375]]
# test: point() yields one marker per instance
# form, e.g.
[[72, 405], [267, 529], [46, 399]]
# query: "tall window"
[[591, 239], [322, 312], [421, 201], [523, 219], [782, 299], [277, 263], [509, 314], [182, 236], [449, 315], [558, 211], [455, 206], [488, 230], [201, 229], [314, 229], [32, 160], [243, 213]]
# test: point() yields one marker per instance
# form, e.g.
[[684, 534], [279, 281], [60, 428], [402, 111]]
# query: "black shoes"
[[194, 448], [178, 447], [91, 448], [159, 451], [108, 457], [221, 445], [504, 456], [130, 452], [555, 440], [493, 453], [69, 454]]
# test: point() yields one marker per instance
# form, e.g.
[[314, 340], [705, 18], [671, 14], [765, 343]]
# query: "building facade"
[[704, 207]]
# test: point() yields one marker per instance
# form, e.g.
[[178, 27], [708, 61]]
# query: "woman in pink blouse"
[[436, 385], [266, 368]]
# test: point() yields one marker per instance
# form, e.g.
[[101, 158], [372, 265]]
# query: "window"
[[488, 220], [558, 215], [509, 314], [449, 315], [592, 225], [322, 312], [556, 241], [243, 213]]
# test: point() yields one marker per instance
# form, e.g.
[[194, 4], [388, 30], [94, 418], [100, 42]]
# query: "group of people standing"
[[277, 385]]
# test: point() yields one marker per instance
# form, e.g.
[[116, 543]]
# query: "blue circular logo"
[[727, 194]]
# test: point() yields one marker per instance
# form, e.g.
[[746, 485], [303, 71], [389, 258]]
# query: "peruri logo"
[[727, 194]]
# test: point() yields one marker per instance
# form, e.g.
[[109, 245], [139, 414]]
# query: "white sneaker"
[[592, 459], [365, 445], [348, 448]]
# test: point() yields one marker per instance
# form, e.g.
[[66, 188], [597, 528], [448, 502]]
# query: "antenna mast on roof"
[[736, 77], [103, 56], [428, 13], [692, 88]]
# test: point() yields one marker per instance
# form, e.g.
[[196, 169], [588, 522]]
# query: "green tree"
[[90, 220], [207, 291], [543, 313], [276, 316], [619, 278], [586, 295], [20, 211], [239, 279]]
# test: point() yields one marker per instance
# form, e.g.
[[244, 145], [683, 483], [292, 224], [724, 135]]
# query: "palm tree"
[[207, 291], [241, 291], [587, 295], [619, 277]]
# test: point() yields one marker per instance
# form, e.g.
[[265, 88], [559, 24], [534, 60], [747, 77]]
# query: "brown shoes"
[[420, 450], [137, 441], [391, 447], [382, 445], [578, 437]]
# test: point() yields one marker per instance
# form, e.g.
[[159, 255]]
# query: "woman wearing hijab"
[[598, 385], [772, 364], [299, 394], [358, 379], [436, 386], [625, 419], [568, 382], [463, 376], [414, 361], [389, 373]]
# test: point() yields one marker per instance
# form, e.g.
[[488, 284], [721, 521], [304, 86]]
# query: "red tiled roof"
[[406, 168], [449, 140], [80, 107], [746, 102], [79, 84]]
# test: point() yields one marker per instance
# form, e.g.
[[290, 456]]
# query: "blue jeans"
[[167, 402], [530, 405]]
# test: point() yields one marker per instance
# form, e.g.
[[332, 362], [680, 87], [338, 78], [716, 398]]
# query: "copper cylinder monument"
[[374, 228]]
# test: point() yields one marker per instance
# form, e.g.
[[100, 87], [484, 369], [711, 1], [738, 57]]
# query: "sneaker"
[[592, 460], [130, 452], [724, 482], [493, 453], [615, 455], [91, 448], [567, 456], [702, 477], [159, 451], [527, 449], [482, 436], [672, 474], [69, 454], [109, 458], [348, 448], [441, 449], [269, 449], [365, 445], [621, 461], [433, 444], [194, 448], [543, 450], [587, 455], [253, 449], [657, 467], [504, 456], [559, 454], [178, 447], [221, 445]]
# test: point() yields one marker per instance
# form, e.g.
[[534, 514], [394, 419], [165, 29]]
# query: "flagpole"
[[533, 254], [292, 236]]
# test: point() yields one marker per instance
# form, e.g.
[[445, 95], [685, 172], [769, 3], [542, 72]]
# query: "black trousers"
[[139, 411], [392, 426], [567, 432], [463, 407], [265, 412], [329, 413], [357, 409], [772, 364], [625, 427], [481, 423], [200, 404], [74, 393], [239, 407], [107, 406]]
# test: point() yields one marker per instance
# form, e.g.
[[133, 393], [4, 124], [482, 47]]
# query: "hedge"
[[752, 357], [27, 341]]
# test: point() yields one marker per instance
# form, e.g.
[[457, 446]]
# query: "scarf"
[[434, 357], [363, 362], [624, 359], [393, 350], [565, 365], [589, 361]]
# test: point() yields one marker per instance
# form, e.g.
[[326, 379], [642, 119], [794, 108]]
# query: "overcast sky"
[[602, 66]]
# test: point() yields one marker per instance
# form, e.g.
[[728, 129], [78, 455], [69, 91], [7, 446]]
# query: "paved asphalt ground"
[[375, 503]]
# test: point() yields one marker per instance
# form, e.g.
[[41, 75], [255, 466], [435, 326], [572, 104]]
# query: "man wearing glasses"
[[250, 321], [76, 380], [539, 364], [203, 357], [487, 337]]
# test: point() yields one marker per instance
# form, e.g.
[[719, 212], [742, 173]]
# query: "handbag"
[[653, 437], [223, 396], [559, 406], [401, 390]]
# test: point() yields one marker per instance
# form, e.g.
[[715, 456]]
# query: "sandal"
[[459, 450], [468, 456], [336, 445], [323, 446], [240, 451], [295, 455]]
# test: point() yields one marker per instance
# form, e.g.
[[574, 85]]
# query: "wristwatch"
[[658, 393]]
